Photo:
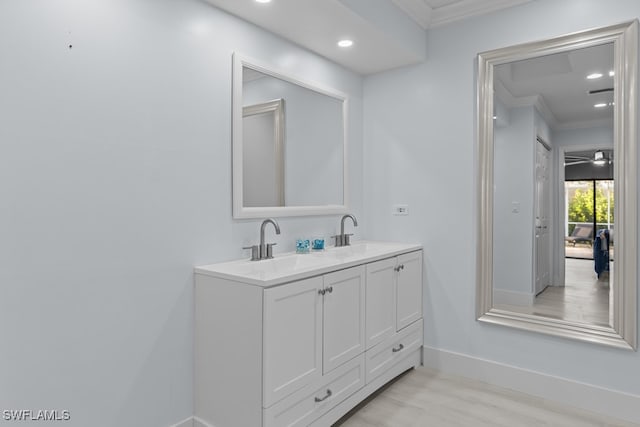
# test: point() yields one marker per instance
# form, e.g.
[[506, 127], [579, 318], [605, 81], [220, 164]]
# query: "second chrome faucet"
[[263, 250], [343, 239]]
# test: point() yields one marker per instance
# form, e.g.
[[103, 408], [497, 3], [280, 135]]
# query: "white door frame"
[[551, 214]]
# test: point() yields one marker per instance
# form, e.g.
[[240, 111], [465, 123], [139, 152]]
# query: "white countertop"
[[290, 266]]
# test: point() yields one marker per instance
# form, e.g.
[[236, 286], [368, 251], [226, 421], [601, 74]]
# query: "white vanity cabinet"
[[394, 295], [408, 289], [311, 327], [292, 338], [274, 348], [393, 307], [344, 315]]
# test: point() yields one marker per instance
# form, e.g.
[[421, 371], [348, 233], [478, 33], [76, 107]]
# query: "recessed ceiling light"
[[601, 105], [345, 43], [263, 1], [594, 76], [611, 73]]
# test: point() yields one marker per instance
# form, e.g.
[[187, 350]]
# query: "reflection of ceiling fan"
[[599, 158]]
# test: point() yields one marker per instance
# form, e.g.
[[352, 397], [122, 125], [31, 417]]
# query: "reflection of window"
[[589, 204]]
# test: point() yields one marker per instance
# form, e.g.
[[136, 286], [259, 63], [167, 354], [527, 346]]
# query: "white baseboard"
[[502, 296], [189, 422], [561, 390]]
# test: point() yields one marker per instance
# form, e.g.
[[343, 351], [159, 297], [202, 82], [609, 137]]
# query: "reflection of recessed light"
[[594, 76], [611, 73], [601, 105], [495, 117], [345, 43], [599, 158]]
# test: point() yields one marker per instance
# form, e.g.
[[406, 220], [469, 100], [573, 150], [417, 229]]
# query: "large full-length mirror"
[[557, 231], [289, 144]]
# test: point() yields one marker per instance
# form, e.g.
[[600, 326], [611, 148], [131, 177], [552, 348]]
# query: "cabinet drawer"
[[311, 402], [384, 355]]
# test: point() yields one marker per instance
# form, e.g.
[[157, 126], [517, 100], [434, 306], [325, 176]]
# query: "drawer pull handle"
[[400, 267], [321, 399], [397, 349], [325, 290]]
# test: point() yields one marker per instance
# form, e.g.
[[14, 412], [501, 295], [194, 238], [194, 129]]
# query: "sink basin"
[[359, 249], [282, 264], [291, 266], [264, 270]]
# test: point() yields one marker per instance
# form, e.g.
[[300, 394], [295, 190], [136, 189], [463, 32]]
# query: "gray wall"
[[419, 150], [115, 180]]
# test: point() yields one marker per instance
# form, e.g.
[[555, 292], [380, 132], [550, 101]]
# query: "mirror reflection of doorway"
[[588, 225]]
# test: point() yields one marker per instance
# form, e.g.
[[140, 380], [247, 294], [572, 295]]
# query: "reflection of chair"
[[601, 252], [581, 234]]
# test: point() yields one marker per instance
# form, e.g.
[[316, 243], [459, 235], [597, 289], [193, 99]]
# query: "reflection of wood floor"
[[423, 397], [584, 298]]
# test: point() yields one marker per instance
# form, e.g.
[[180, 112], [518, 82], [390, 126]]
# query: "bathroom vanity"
[[301, 339]]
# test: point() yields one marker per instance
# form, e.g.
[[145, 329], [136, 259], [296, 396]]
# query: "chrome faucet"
[[263, 250], [342, 239]]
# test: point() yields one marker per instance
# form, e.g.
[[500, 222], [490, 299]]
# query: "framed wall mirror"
[[557, 188], [289, 144]]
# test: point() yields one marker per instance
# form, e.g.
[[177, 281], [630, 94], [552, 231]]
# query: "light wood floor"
[[583, 298], [427, 398]]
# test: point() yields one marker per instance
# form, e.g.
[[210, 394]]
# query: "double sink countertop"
[[288, 267]]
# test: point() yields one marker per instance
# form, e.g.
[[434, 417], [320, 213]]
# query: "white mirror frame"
[[240, 211], [623, 332]]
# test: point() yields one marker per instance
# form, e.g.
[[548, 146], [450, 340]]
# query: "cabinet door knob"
[[398, 348], [329, 289], [326, 396], [322, 291]]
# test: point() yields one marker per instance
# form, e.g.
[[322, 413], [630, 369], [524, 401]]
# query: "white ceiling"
[[386, 33], [434, 13], [558, 84], [392, 33]]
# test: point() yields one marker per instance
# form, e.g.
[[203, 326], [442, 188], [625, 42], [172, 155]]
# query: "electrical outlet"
[[400, 210]]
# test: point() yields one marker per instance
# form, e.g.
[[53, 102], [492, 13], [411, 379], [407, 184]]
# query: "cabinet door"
[[343, 335], [380, 301], [409, 289], [292, 338]]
